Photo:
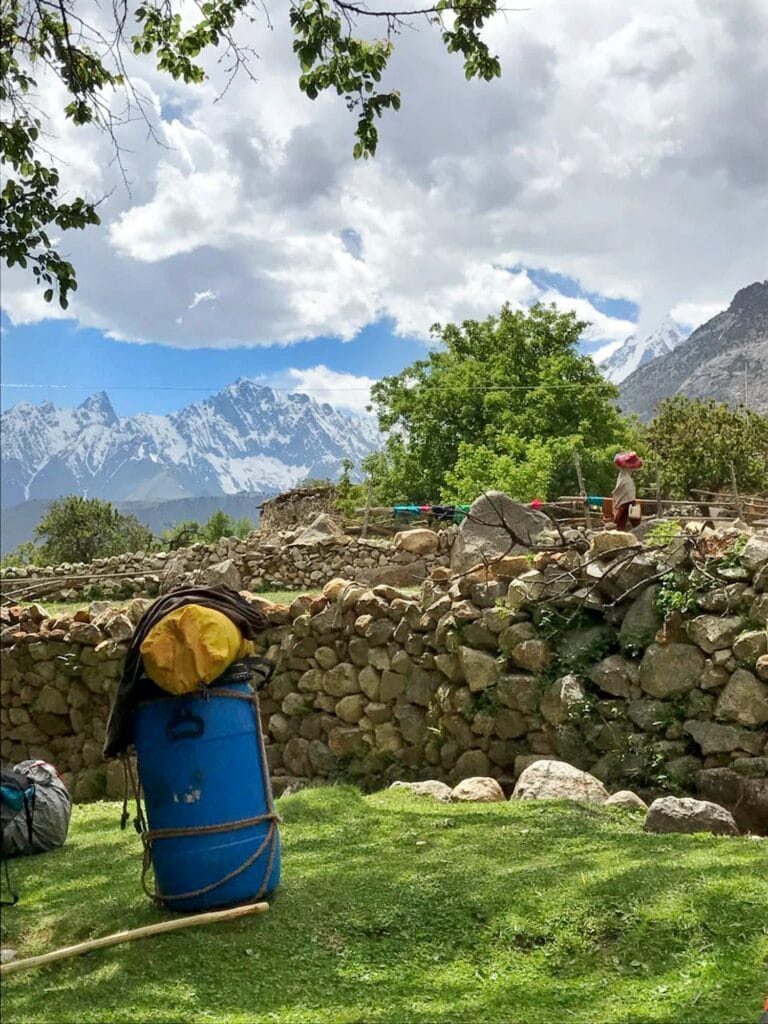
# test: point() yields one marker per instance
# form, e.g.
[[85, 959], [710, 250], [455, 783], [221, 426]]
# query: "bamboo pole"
[[212, 917]]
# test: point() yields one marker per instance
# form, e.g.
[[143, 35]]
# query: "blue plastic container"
[[200, 764]]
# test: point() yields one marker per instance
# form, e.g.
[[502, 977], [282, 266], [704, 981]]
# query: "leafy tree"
[[188, 531], [89, 59], [76, 529], [504, 402], [316, 483], [25, 554], [693, 444], [222, 525], [181, 535]]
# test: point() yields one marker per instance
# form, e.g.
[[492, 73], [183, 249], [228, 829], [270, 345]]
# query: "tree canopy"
[[87, 48], [76, 529], [190, 531], [501, 403], [694, 443]]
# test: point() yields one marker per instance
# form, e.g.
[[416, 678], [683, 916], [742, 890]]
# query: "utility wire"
[[295, 390]]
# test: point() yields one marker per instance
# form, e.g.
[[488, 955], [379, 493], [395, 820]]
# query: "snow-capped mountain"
[[636, 352], [725, 358], [245, 438]]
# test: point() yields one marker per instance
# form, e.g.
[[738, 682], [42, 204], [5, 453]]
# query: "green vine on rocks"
[[679, 593], [664, 533], [732, 557]]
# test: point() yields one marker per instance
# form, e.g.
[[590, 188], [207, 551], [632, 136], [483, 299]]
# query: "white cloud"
[[622, 147], [342, 390], [24, 302], [601, 326], [694, 314], [207, 296]]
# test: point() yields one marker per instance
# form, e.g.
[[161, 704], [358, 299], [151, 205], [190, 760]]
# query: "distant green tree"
[[693, 444], [221, 525], [25, 554], [76, 529], [189, 531], [315, 483], [181, 535], [506, 400]]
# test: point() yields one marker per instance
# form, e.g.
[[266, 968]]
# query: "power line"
[[294, 390]]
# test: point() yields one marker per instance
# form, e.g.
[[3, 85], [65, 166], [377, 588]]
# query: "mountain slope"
[[637, 352], [245, 438], [725, 359]]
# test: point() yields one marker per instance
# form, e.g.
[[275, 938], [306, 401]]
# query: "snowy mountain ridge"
[[636, 352], [244, 438]]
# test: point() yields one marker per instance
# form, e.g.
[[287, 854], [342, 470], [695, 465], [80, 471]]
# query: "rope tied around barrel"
[[149, 836]]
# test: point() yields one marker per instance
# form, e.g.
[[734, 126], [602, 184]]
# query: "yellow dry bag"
[[190, 646]]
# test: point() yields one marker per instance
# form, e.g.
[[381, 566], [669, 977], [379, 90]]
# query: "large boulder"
[[480, 789], [629, 577], [396, 575], [744, 700], [750, 646], [556, 780], [671, 669], [176, 575], [714, 738], [225, 573], [608, 542], [322, 528], [495, 526], [684, 814], [714, 632], [562, 700], [626, 798], [432, 787], [480, 670], [615, 675], [642, 621], [745, 798], [417, 542], [755, 554]]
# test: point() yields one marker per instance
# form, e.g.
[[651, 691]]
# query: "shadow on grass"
[[395, 909]]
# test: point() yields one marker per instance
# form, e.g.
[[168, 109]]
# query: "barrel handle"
[[184, 726]]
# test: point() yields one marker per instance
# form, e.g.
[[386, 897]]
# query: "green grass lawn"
[[399, 909]]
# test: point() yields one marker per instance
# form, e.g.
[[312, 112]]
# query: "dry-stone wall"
[[564, 655], [255, 564], [294, 508]]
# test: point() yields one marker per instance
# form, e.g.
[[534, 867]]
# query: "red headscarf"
[[628, 460]]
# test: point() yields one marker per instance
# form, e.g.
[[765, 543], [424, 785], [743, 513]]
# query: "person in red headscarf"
[[625, 493]]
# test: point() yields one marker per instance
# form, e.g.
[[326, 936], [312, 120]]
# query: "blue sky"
[[71, 363], [610, 168]]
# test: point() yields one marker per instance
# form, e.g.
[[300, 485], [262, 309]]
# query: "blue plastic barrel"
[[200, 761]]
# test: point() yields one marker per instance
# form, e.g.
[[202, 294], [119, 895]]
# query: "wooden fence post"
[[736, 498], [367, 515], [582, 489], [658, 492]]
